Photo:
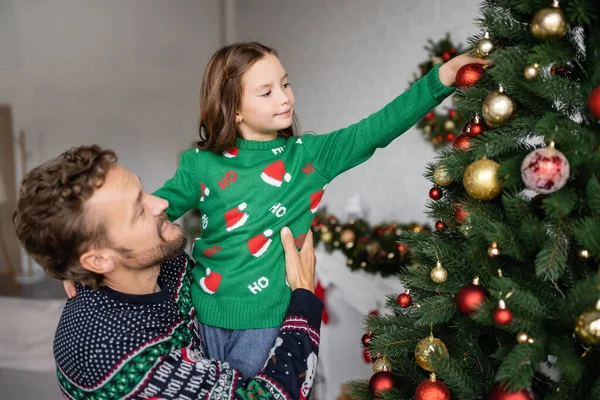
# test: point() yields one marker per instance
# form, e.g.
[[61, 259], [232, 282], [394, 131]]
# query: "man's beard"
[[157, 255]]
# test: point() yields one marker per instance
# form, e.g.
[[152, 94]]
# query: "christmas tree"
[[504, 299]]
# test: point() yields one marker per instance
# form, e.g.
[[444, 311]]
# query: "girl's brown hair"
[[221, 95]]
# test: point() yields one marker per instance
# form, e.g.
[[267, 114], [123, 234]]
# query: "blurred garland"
[[372, 249], [439, 129]]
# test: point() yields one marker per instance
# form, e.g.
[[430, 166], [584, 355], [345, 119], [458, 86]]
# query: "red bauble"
[[446, 55], [439, 225], [476, 129], [435, 193], [451, 113], [374, 312], [450, 136], [402, 247], [367, 356], [502, 316], [429, 116], [404, 300], [469, 298], [498, 392], [428, 390], [366, 339], [380, 381], [461, 215], [468, 75], [462, 142], [594, 102]]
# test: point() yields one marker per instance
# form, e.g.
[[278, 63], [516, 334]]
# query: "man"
[[130, 332]]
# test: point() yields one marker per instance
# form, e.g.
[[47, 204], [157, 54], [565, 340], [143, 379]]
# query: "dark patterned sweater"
[[110, 345]]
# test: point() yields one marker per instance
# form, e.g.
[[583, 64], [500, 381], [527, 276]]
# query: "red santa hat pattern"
[[315, 199], [274, 174], [236, 217], [204, 191], [232, 152], [260, 243], [210, 283]]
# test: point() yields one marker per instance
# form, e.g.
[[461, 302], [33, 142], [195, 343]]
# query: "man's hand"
[[70, 289], [299, 266], [447, 72]]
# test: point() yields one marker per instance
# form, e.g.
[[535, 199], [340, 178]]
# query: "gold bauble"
[[493, 250], [425, 348], [497, 108], [531, 71], [347, 236], [382, 364], [587, 326], [427, 129], [441, 177], [449, 125], [438, 274], [549, 23], [326, 236], [480, 179], [484, 47]]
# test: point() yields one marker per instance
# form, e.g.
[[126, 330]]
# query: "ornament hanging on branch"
[[382, 364], [493, 250], [485, 46], [587, 326], [468, 75], [440, 225], [438, 274], [549, 23], [476, 127], [470, 297], [441, 177], [594, 102], [462, 142], [499, 392], [545, 170], [381, 381], [480, 180], [425, 349], [404, 300], [435, 193], [460, 214], [532, 71], [432, 389], [497, 108], [523, 337], [502, 315]]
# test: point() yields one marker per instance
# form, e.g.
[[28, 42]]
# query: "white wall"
[[347, 59], [123, 74]]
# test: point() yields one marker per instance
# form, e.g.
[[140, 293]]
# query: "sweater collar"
[[260, 145]]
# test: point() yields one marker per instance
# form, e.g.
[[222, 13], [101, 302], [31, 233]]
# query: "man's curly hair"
[[51, 219]]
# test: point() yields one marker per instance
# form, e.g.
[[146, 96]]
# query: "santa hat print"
[[274, 174], [210, 283], [236, 217], [204, 191], [260, 243], [232, 152], [315, 199]]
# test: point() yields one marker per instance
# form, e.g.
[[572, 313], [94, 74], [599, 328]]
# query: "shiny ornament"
[[470, 297], [435, 193], [440, 176], [497, 108], [485, 46], [347, 236], [549, 23], [404, 300], [438, 274], [587, 326], [326, 236], [452, 113], [476, 127], [523, 337], [460, 214], [502, 316], [545, 170], [493, 250], [584, 254], [439, 225], [449, 125], [382, 364], [564, 71], [480, 180], [380, 381], [367, 357], [468, 75], [499, 392], [462, 142], [450, 136], [594, 102], [532, 71], [366, 339], [429, 116], [432, 389], [425, 348]]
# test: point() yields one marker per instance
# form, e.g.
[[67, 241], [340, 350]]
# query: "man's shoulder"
[[174, 270]]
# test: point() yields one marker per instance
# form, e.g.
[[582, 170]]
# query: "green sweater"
[[250, 192]]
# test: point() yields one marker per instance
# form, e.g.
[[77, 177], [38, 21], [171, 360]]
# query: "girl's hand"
[[299, 265], [447, 72]]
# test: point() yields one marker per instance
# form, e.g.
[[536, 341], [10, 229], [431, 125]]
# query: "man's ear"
[[99, 261]]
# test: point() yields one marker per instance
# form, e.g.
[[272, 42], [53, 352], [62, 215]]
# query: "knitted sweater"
[[250, 192], [110, 345]]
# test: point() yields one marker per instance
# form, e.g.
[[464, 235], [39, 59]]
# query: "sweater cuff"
[[438, 90], [305, 303]]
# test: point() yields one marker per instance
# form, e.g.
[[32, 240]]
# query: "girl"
[[251, 175]]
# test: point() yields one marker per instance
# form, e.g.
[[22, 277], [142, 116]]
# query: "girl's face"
[[267, 100]]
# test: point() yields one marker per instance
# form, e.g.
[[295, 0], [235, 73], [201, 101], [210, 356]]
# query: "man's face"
[[136, 222]]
